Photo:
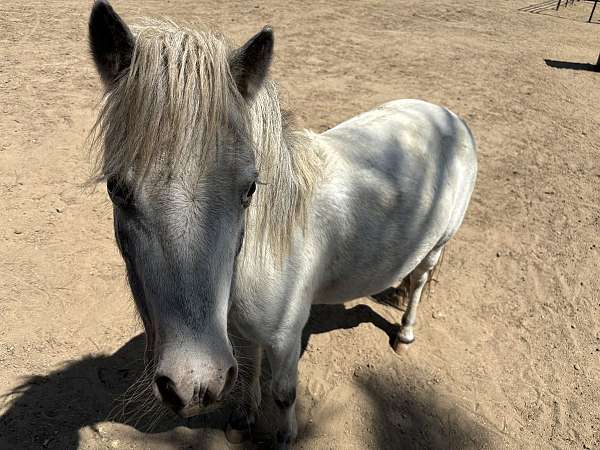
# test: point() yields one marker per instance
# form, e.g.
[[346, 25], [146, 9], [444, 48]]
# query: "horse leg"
[[393, 296], [418, 279], [243, 417], [283, 358]]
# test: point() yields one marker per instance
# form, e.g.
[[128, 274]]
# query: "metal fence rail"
[[573, 1]]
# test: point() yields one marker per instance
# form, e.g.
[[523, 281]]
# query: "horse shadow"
[[49, 411]]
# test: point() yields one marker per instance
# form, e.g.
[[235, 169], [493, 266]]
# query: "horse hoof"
[[401, 348], [402, 342], [239, 428], [284, 441], [236, 436]]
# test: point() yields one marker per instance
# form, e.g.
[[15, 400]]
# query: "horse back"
[[396, 185]]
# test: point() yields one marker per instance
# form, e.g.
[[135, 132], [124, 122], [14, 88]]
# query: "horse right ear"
[[111, 42], [250, 63]]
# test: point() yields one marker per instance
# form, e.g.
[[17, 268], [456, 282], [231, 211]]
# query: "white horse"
[[231, 223]]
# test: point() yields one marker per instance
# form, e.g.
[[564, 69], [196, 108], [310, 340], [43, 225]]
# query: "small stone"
[[59, 210], [576, 366], [497, 254], [438, 315], [18, 231], [572, 326], [114, 444]]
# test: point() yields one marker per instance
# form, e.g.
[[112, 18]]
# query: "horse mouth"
[[189, 411], [196, 409]]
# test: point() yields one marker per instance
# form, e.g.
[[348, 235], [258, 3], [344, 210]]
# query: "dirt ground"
[[508, 341]]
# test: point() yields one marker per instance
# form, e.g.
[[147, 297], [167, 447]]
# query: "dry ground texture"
[[508, 343]]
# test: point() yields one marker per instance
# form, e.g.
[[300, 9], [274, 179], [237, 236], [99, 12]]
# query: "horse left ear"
[[111, 41], [250, 63]]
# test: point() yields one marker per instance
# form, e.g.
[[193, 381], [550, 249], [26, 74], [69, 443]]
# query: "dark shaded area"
[[48, 411], [572, 65], [416, 420], [326, 318]]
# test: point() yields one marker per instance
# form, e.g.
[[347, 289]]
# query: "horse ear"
[[111, 41], [250, 63]]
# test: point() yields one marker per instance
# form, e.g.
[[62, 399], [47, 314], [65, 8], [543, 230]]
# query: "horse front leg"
[[243, 417], [283, 358]]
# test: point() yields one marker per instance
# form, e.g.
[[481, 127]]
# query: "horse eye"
[[248, 195], [251, 189], [118, 192]]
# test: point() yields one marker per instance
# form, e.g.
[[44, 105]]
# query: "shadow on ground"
[[572, 65], [48, 411]]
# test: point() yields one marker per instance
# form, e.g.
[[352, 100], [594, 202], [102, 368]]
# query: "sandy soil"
[[508, 345]]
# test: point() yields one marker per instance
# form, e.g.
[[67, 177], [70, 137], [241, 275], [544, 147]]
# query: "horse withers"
[[231, 222]]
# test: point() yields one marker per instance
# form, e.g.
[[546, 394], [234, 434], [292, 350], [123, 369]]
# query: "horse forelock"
[[169, 104]]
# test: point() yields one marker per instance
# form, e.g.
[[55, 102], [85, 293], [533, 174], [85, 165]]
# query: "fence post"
[[593, 9]]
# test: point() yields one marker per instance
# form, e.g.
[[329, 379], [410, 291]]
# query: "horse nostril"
[[168, 391], [215, 393], [207, 398]]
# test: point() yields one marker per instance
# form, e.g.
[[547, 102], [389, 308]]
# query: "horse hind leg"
[[417, 280], [393, 296]]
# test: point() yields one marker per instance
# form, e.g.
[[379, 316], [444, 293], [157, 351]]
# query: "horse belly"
[[373, 242], [353, 285]]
